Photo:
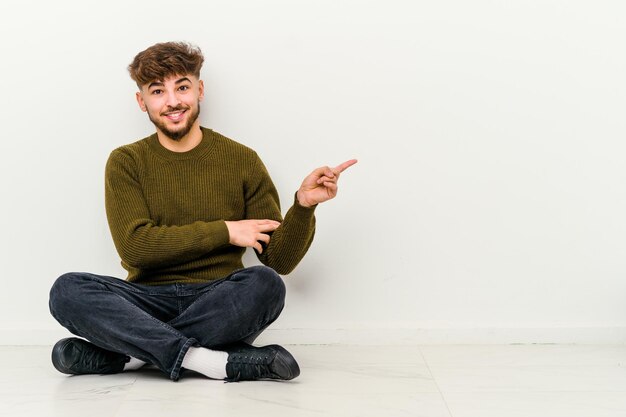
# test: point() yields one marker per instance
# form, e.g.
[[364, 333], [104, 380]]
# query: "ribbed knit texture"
[[166, 210]]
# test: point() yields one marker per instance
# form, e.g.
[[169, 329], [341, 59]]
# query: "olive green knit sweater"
[[166, 210]]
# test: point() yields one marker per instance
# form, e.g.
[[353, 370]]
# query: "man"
[[182, 206]]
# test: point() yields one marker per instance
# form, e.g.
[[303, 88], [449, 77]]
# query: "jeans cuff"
[[175, 374]]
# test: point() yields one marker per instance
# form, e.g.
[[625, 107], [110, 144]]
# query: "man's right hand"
[[249, 233]]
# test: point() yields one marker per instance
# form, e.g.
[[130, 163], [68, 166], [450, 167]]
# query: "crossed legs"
[[158, 324]]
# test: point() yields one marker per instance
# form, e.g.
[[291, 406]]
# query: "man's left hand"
[[321, 184]]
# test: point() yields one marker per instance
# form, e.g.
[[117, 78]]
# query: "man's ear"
[[140, 101], [201, 89]]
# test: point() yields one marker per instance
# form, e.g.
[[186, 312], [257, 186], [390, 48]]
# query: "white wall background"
[[489, 203]]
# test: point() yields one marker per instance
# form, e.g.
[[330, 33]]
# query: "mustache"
[[177, 108]]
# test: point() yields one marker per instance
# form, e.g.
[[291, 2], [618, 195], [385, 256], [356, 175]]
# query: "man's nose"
[[172, 99]]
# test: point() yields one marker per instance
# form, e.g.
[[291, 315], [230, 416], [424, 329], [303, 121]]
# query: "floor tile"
[[525, 355], [537, 404], [529, 378]]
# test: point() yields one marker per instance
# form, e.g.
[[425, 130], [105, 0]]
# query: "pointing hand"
[[321, 184]]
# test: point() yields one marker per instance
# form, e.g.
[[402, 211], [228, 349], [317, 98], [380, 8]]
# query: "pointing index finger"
[[342, 167]]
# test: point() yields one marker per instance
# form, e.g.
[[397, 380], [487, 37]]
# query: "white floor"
[[341, 380]]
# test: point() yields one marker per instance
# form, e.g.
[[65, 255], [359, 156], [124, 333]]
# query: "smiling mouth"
[[175, 115]]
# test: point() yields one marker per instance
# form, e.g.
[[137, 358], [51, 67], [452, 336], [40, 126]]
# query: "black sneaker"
[[78, 357], [249, 363]]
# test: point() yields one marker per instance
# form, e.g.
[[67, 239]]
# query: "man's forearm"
[[290, 242], [149, 246]]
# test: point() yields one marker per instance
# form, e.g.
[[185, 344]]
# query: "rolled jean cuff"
[[175, 374]]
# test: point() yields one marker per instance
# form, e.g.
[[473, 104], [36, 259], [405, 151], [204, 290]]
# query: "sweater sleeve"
[[292, 239], [139, 241]]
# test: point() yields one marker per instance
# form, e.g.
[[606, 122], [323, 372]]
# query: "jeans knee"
[[270, 285], [62, 293], [59, 288]]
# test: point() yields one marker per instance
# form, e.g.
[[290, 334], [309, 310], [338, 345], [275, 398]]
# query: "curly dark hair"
[[164, 60]]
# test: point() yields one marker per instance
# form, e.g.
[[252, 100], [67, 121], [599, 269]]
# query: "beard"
[[181, 132]]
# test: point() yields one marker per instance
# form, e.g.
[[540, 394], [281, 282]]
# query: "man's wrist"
[[300, 201]]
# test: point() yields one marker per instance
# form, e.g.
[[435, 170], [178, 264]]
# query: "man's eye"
[[156, 91], [184, 88]]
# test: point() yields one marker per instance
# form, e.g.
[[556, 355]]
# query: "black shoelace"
[[250, 369]]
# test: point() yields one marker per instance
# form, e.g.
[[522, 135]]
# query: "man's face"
[[173, 104]]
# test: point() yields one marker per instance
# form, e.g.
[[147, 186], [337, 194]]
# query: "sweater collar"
[[201, 149]]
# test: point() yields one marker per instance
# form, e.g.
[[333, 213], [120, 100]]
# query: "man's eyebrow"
[[156, 84], [160, 84]]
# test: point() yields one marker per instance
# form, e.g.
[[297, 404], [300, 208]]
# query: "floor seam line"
[[435, 381]]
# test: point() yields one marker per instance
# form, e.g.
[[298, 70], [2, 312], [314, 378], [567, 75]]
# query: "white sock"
[[211, 363], [133, 364]]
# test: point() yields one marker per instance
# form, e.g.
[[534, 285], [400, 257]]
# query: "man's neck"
[[185, 144]]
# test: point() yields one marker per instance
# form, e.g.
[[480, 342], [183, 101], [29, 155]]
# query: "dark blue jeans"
[[157, 324]]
